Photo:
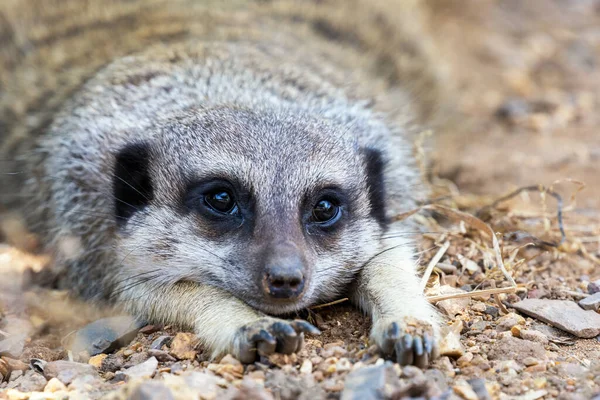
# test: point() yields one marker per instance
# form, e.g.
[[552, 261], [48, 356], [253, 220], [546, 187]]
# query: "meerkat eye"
[[326, 211], [220, 201]]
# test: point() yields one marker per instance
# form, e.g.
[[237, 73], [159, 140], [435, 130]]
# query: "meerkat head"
[[280, 208]]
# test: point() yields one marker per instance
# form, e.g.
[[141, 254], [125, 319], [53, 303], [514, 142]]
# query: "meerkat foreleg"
[[223, 323], [389, 291]]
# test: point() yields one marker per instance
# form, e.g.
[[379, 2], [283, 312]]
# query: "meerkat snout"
[[284, 273]]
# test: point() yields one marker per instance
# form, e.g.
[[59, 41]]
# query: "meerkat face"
[[281, 210]]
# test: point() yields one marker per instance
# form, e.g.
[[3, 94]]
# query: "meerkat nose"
[[284, 273]]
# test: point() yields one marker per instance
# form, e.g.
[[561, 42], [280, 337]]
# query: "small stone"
[[151, 390], [450, 344], [540, 382], [438, 377], [136, 358], [506, 322], [343, 365], [12, 346], [96, 361], [160, 355], [14, 364], [306, 367], [478, 386], [453, 307], [15, 375], [54, 385], [148, 329], [368, 382], [229, 359], [465, 359], [85, 383], [161, 341], [591, 302], [537, 368], [594, 287], [534, 336], [128, 352], [143, 370], [250, 389], [493, 311], [464, 390], [529, 361], [563, 314], [202, 384], [331, 345], [183, 346], [445, 365], [331, 385], [31, 381], [68, 371], [105, 335], [479, 307], [514, 349]]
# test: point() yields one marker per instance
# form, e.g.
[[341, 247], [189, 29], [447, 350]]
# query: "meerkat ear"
[[374, 168], [132, 186]]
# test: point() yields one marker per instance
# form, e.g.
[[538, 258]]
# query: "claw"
[[418, 346], [263, 336], [303, 326], [285, 329], [428, 342], [404, 350]]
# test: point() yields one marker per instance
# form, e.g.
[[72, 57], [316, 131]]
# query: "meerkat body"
[[220, 163]]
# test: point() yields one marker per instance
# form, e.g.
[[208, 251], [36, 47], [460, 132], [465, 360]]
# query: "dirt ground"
[[526, 85]]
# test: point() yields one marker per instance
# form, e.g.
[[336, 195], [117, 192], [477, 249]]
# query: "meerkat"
[[222, 165]]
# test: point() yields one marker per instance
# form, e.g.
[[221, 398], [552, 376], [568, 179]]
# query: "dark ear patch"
[[132, 186], [375, 182]]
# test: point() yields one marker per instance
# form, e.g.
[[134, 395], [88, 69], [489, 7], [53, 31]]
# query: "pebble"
[[453, 307], [143, 370], [591, 302], [594, 287], [197, 384], [96, 361], [446, 366], [183, 346], [493, 311], [506, 322], [161, 356], [54, 385], [514, 349], [151, 390], [479, 307], [14, 364], [105, 335], [529, 361], [67, 371], [31, 381], [478, 386], [563, 314], [367, 383], [306, 367], [450, 344], [464, 390], [13, 345], [161, 341], [465, 359]]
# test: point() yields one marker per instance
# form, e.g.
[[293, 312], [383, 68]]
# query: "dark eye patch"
[[375, 165], [132, 185]]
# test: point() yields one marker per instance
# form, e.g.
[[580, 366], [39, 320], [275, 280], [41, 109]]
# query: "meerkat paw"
[[266, 336], [407, 343]]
